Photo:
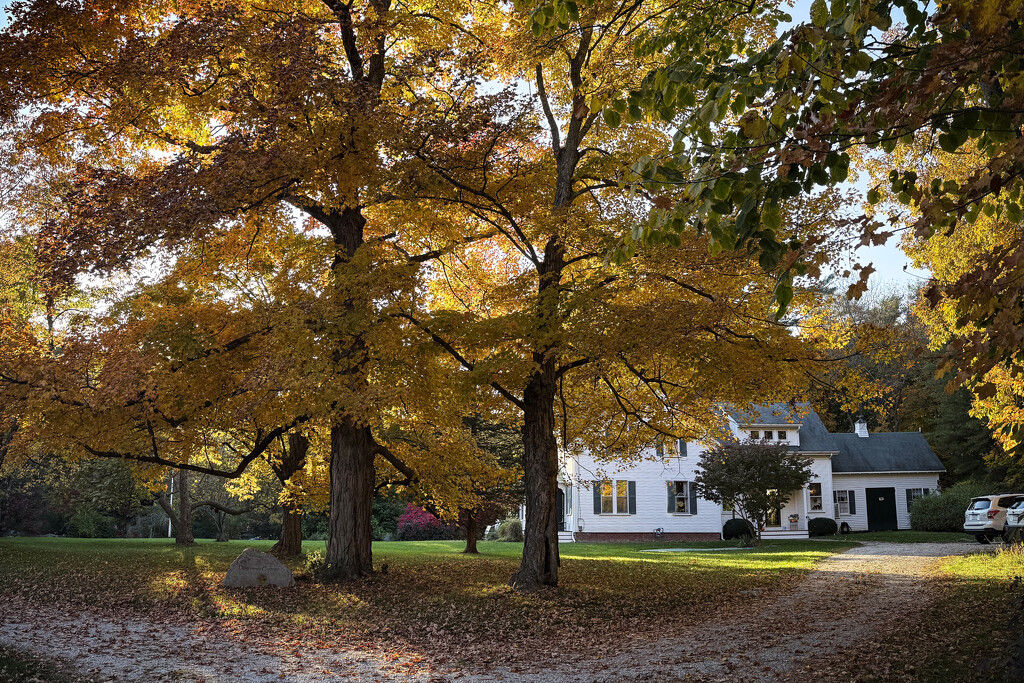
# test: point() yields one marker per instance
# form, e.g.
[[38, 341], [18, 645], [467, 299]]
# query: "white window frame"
[[820, 497], [667, 448], [767, 434], [614, 483], [842, 498], [782, 435], [685, 496], [914, 494], [755, 434]]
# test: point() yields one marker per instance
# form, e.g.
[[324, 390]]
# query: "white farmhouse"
[[865, 481]]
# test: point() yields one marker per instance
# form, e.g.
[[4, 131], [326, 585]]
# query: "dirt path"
[[849, 597]]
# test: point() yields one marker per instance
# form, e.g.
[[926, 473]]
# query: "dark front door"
[[881, 509], [560, 502]]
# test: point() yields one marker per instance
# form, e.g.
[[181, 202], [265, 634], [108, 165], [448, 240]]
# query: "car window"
[[1019, 505], [979, 504], [1008, 501]]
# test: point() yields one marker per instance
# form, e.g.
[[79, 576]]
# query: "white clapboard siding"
[[651, 477], [860, 482]]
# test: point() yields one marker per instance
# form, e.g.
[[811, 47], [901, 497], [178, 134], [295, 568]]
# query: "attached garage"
[[877, 476]]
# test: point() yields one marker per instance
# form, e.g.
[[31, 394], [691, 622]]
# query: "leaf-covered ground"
[[965, 632], [432, 600], [18, 666], [890, 611]]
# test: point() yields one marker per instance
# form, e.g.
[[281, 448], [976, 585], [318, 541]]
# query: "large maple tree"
[[157, 129], [584, 353]]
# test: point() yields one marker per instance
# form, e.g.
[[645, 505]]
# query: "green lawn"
[[430, 597]]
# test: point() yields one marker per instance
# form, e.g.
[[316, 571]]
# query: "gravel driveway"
[[850, 596]]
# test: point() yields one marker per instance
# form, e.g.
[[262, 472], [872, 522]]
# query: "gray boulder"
[[253, 568]]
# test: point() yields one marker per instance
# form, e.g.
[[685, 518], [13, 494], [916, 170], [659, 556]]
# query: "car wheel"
[[982, 538]]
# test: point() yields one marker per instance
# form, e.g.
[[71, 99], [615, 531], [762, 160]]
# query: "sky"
[[893, 270]]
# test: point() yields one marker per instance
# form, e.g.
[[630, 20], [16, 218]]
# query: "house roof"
[[884, 452], [814, 437]]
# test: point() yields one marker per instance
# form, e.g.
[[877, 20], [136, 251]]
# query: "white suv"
[[1014, 520], [985, 518]]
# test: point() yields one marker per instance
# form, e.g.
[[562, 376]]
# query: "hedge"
[[945, 511]]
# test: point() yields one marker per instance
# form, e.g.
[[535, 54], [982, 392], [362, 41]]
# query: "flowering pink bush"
[[416, 524]]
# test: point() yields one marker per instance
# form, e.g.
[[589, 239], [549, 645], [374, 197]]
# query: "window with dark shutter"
[[853, 503], [914, 494], [615, 497], [682, 498]]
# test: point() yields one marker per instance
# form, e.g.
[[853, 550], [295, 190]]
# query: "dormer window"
[[782, 435], [768, 434], [668, 448], [754, 434]]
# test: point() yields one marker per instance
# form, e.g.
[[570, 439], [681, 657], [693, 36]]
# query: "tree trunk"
[[350, 535], [540, 562], [222, 526], [471, 532], [219, 519], [290, 543], [183, 530]]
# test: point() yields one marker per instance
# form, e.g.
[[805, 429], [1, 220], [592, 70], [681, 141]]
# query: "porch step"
[[784, 533], [566, 537]]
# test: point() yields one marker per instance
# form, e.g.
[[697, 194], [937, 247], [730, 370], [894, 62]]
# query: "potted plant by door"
[[793, 521]]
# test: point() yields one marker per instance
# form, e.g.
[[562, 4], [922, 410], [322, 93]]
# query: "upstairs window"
[[668, 448], [754, 434], [782, 435], [768, 434]]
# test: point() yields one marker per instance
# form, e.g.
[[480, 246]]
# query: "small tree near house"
[[755, 478]]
